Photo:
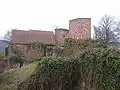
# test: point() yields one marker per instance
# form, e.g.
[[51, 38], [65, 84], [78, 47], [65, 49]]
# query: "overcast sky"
[[45, 14]]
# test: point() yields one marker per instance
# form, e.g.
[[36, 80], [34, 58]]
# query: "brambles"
[[94, 65], [53, 74]]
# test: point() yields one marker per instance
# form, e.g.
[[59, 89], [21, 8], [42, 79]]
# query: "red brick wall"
[[80, 28], [60, 35]]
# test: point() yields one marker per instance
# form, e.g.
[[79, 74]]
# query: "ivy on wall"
[[38, 46], [97, 66]]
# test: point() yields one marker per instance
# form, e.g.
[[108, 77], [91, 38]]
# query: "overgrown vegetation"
[[15, 57], [1, 55], [100, 67], [74, 46], [96, 66], [9, 80], [84, 64], [46, 49], [52, 75]]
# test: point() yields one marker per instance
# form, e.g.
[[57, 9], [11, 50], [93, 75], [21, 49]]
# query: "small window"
[[63, 35]]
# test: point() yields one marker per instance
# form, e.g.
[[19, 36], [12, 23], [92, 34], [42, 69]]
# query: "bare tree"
[[117, 30], [106, 29], [7, 36]]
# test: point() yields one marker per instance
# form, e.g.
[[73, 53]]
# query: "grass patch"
[[9, 80]]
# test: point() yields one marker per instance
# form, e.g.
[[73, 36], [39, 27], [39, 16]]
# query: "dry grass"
[[9, 80]]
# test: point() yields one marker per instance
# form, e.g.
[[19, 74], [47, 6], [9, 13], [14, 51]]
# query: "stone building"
[[79, 28], [21, 39], [60, 35]]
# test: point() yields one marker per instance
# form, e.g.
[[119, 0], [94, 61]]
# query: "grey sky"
[[44, 14]]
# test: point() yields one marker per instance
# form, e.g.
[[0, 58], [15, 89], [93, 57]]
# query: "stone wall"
[[60, 35], [3, 64], [80, 28], [30, 54]]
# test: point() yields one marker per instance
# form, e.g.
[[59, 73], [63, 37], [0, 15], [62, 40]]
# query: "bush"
[[96, 66], [73, 46], [100, 67], [15, 59], [1, 55], [51, 74]]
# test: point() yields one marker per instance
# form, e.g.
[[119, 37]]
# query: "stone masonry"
[[60, 35], [79, 28]]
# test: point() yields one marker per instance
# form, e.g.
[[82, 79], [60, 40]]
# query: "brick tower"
[[60, 35], [80, 28]]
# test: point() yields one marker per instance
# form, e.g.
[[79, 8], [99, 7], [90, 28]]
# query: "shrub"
[[100, 67], [50, 74], [15, 59], [97, 65], [1, 55], [73, 46]]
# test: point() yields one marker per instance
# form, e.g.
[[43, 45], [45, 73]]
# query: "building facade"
[[79, 28]]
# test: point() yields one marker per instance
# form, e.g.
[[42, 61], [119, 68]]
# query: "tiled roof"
[[22, 36]]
